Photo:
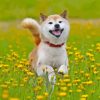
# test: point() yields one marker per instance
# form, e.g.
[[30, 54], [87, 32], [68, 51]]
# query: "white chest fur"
[[52, 56]]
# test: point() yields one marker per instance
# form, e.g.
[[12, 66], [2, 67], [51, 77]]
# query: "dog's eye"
[[50, 23], [60, 21]]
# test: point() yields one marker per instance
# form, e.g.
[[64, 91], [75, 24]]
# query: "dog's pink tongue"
[[56, 32]]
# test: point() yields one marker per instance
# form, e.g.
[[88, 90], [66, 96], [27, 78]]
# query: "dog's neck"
[[54, 45]]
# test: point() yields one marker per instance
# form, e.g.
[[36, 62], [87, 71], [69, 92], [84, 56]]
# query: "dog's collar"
[[54, 45]]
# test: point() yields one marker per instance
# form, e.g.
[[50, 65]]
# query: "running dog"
[[50, 37]]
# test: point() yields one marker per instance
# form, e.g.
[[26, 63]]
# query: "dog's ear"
[[64, 14], [42, 17]]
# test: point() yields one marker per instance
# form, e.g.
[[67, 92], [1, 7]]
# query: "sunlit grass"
[[17, 82]]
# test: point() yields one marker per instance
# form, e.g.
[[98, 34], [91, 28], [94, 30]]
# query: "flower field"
[[17, 82]]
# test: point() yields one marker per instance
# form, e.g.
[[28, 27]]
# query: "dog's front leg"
[[46, 70], [63, 69]]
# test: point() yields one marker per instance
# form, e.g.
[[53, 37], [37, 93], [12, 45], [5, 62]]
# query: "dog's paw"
[[63, 69]]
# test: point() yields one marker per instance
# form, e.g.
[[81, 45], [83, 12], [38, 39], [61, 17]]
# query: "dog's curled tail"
[[34, 27]]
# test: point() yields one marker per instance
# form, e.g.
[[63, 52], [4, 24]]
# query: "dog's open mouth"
[[56, 32]]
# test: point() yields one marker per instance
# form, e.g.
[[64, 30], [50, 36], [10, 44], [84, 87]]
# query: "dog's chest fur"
[[52, 56]]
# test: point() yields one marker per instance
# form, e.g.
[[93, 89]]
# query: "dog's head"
[[55, 28]]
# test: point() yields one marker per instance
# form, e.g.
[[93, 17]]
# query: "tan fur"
[[32, 25], [37, 40], [33, 58], [54, 17]]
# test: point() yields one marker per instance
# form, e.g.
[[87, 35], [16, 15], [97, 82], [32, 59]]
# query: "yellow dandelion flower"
[[46, 94], [98, 44], [37, 88], [76, 81], [63, 88], [1, 65], [39, 97], [87, 75], [4, 86], [81, 87], [84, 96], [14, 99], [95, 72], [5, 94], [30, 73], [20, 66], [66, 76], [75, 49], [70, 91], [92, 59], [69, 84], [81, 72], [98, 49], [25, 79], [89, 82], [78, 90], [62, 94], [66, 80]]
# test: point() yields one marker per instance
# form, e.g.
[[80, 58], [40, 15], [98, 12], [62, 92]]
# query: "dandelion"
[[4, 85], [66, 80], [76, 81], [39, 97], [1, 65], [81, 72], [87, 75], [88, 83], [78, 90], [46, 94], [14, 99], [30, 73], [5, 94], [69, 85], [20, 66], [75, 49], [63, 88], [84, 96], [62, 94], [70, 91], [66, 76], [37, 89]]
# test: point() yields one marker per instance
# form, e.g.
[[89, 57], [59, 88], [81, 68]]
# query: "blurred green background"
[[18, 9]]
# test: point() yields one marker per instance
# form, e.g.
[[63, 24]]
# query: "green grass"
[[18, 9], [18, 82]]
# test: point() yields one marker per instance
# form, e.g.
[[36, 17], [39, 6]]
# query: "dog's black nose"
[[57, 25]]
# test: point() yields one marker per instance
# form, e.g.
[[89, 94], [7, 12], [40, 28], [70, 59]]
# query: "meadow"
[[82, 82], [17, 82], [18, 9]]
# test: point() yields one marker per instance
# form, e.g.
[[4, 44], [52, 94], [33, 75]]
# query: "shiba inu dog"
[[50, 37]]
